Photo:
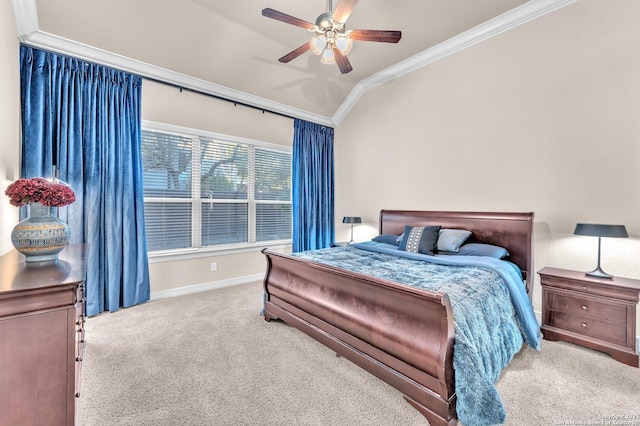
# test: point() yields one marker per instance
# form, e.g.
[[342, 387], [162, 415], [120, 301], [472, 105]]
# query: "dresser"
[[41, 338], [593, 312]]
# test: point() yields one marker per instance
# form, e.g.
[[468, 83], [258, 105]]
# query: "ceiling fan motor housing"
[[324, 22]]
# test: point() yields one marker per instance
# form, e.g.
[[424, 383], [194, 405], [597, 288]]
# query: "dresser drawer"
[[586, 307], [78, 376], [80, 300], [609, 332]]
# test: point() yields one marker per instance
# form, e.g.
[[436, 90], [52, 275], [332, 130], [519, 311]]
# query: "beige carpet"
[[210, 359]]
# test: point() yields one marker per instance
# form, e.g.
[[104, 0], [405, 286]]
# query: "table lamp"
[[351, 220], [596, 230]]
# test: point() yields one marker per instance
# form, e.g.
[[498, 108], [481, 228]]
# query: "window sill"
[[193, 253]]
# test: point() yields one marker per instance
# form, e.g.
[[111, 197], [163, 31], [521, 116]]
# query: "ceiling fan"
[[330, 39]]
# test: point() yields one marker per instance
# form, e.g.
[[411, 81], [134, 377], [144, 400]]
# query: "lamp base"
[[599, 273]]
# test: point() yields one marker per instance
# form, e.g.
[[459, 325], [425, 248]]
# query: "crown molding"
[[491, 28], [26, 17], [29, 34]]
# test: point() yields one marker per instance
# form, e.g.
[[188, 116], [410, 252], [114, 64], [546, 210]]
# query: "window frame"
[[235, 248]]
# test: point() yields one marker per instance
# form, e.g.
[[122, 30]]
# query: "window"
[[203, 190]]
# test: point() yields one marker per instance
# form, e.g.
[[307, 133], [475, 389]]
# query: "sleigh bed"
[[403, 335]]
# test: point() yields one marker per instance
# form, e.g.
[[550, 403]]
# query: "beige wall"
[[543, 118], [166, 104], [9, 120]]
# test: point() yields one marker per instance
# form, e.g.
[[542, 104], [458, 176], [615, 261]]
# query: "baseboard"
[[196, 288]]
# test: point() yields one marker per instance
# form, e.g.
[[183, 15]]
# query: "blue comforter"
[[492, 313]]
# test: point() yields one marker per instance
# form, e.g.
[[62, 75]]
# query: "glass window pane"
[[224, 169], [273, 222], [166, 165], [224, 223], [242, 174], [168, 225], [272, 175]]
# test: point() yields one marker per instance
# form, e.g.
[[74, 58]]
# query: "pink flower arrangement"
[[39, 190]]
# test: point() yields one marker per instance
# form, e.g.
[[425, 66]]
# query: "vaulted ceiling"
[[229, 49]]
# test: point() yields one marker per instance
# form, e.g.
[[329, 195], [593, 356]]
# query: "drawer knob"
[[584, 325], [584, 288], [584, 307]]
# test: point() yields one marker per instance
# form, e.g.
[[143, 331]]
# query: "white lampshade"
[[327, 57], [344, 44], [318, 43]]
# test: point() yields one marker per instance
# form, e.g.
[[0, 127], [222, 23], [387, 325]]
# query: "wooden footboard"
[[402, 335]]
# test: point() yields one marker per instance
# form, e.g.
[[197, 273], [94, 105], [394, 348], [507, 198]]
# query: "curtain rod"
[[166, 83], [211, 95]]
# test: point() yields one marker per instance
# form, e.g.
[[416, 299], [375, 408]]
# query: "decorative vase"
[[42, 235]]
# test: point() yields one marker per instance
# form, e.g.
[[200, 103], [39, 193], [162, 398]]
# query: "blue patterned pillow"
[[420, 239]]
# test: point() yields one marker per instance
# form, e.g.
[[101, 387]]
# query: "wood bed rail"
[[400, 334]]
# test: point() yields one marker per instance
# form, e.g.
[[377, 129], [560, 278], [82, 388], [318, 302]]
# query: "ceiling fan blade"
[[376, 35], [342, 61], [270, 13], [295, 53], [343, 10]]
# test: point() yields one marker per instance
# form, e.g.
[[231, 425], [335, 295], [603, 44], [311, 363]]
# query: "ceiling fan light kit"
[[331, 41], [328, 57], [344, 44], [329, 35], [321, 43]]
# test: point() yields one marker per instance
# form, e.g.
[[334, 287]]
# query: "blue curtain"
[[85, 119], [312, 186]]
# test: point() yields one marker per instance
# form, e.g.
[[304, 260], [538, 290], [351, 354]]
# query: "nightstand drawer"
[[609, 332], [594, 312], [586, 307], [580, 286]]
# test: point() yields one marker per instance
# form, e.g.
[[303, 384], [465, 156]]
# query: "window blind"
[[273, 195], [205, 192]]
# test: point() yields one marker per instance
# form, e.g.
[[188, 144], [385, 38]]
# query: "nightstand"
[[593, 312]]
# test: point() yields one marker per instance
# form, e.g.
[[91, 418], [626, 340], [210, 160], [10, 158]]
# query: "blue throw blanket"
[[492, 318]]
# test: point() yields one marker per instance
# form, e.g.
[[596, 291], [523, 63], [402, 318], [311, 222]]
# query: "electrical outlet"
[[214, 266]]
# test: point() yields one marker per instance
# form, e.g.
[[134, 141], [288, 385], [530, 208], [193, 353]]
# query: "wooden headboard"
[[513, 231]]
